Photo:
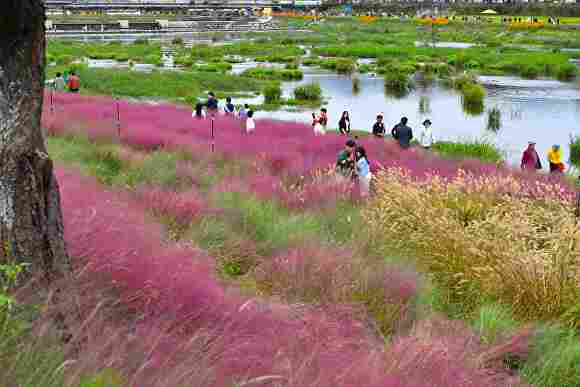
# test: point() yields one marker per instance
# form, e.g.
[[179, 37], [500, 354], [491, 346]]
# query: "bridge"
[[183, 6]]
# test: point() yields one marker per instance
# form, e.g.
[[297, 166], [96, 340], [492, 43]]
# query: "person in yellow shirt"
[[555, 159]]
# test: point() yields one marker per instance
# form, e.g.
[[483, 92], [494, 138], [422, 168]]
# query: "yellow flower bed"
[[368, 19], [440, 21]]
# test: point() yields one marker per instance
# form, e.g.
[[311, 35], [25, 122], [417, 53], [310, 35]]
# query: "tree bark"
[[31, 227]]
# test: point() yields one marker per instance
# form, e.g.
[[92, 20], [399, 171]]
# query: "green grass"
[[555, 360], [271, 73], [472, 149], [162, 84]]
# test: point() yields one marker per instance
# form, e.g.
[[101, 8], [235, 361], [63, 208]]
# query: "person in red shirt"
[[74, 83], [530, 159]]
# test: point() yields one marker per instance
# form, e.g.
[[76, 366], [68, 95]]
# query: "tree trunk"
[[31, 228]]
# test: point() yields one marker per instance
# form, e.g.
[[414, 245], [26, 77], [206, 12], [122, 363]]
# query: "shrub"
[[141, 41], [567, 72], [272, 93], [397, 81], [308, 92], [291, 66], [355, 85], [472, 96], [575, 151], [530, 72], [345, 66], [177, 41], [494, 119]]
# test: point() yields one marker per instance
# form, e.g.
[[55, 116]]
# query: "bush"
[[345, 66], [272, 94], [575, 151], [566, 72], [177, 41], [494, 119], [472, 96], [397, 81], [309, 92], [291, 66], [530, 72], [140, 41]]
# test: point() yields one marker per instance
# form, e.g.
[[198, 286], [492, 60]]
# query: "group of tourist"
[[531, 160], [67, 82], [211, 108]]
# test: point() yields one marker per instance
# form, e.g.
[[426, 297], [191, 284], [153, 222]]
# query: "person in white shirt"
[[250, 124], [426, 137]]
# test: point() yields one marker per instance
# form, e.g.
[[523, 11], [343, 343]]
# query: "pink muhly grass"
[[160, 317], [280, 148], [335, 276], [184, 207], [448, 354]]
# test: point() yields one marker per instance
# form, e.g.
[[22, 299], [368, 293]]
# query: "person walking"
[[344, 124], [530, 158], [198, 112], [229, 109], [74, 83], [555, 159], [250, 123], [379, 127], [363, 171], [426, 137], [59, 83], [402, 133]]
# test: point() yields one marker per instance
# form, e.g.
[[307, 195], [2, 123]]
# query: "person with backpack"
[[74, 83], [229, 109], [402, 133], [363, 171]]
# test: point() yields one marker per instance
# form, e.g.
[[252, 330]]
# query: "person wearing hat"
[[426, 137], [345, 163], [530, 158], [379, 127], [555, 159]]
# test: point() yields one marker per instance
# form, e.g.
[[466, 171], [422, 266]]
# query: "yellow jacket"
[[555, 156]]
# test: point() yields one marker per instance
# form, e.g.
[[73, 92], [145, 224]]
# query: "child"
[[250, 124], [363, 170]]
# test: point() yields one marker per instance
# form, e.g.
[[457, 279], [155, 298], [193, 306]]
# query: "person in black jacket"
[[379, 127], [212, 104], [402, 133], [344, 124]]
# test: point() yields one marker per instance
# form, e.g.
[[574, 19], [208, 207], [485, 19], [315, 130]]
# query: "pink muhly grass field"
[[189, 330], [280, 148]]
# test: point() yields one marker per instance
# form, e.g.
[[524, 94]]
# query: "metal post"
[[118, 118], [52, 101], [212, 136]]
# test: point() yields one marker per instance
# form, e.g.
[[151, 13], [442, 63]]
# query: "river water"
[[544, 111]]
